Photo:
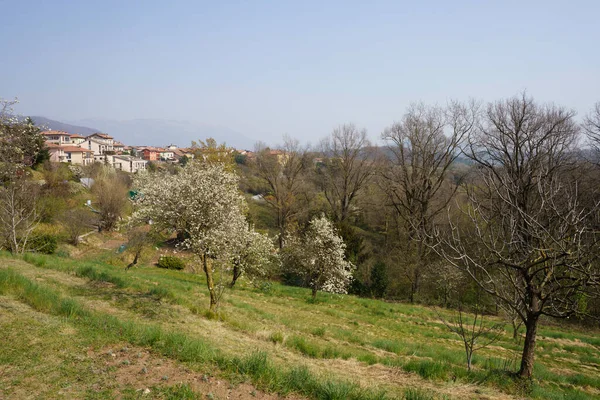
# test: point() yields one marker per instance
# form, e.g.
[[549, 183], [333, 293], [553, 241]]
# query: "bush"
[[171, 262], [42, 243]]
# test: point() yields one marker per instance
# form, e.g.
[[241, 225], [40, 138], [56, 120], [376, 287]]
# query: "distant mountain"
[[51, 124], [159, 132]]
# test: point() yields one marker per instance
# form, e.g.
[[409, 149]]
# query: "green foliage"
[[379, 279], [171, 262], [240, 158], [50, 207], [42, 243]]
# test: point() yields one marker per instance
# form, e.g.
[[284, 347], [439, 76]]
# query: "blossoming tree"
[[204, 203], [255, 258], [318, 256]]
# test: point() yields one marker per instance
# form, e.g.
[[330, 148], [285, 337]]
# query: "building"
[[178, 154], [77, 139], [70, 154], [118, 147], [166, 154], [102, 138], [127, 163], [149, 153], [57, 137]]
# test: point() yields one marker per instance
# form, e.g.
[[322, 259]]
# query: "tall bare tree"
[[528, 242], [283, 172], [591, 125], [423, 146], [347, 167]]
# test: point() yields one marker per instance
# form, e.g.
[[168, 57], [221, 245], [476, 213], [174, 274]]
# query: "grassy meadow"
[[85, 328]]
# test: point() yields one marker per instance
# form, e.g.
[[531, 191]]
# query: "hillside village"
[[100, 147]]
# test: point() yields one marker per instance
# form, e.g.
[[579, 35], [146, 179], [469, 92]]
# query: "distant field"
[[88, 329]]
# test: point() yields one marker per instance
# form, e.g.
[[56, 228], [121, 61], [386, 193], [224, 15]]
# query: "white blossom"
[[202, 201], [318, 256]]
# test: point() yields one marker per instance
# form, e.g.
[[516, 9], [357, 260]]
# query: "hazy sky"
[[265, 68]]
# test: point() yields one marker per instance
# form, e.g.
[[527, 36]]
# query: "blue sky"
[[265, 68]]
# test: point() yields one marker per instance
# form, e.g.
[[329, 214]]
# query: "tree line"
[[469, 203]]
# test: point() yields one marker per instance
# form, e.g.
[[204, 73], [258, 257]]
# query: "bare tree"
[[111, 195], [18, 214], [423, 146], [76, 222], [529, 242], [474, 334], [591, 126], [347, 167], [138, 239], [283, 172]]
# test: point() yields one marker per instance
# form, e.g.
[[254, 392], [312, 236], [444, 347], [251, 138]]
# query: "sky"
[[268, 68]]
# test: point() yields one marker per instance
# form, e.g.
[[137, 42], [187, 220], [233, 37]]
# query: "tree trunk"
[[527, 358], [135, 260], [469, 359], [210, 283], [314, 293], [237, 272]]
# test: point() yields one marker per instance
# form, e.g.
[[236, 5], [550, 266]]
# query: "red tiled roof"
[[71, 149], [76, 136]]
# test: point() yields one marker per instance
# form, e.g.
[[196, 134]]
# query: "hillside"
[[48, 123], [84, 327]]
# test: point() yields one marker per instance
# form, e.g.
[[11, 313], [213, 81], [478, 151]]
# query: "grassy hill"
[[85, 328]]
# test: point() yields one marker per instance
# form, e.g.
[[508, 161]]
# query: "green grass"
[[255, 366], [283, 344]]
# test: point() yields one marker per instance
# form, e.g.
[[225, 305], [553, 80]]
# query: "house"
[[149, 153], [280, 155], [77, 139], [167, 155], [102, 138], [178, 154], [128, 163], [70, 154], [57, 137], [97, 147], [118, 147]]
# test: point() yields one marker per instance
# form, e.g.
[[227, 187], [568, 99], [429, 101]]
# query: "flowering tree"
[[255, 258], [20, 147], [20, 142], [318, 256], [203, 202]]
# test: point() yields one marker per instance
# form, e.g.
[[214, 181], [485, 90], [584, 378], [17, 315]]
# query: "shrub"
[[171, 262], [276, 337], [43, 243]]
